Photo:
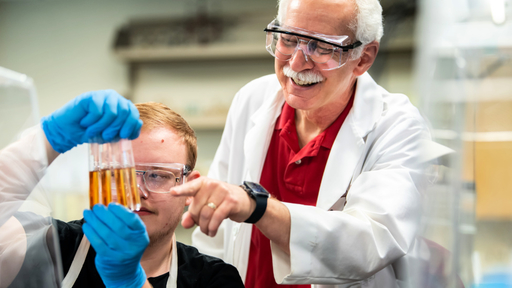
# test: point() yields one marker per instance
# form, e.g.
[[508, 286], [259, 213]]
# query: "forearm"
[[51, 154], [275, 224]]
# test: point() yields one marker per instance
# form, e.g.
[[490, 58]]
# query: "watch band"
[[260, 195], [261, 207]]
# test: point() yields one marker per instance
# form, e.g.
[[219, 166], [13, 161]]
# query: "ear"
[[193, 175], [367, 58]]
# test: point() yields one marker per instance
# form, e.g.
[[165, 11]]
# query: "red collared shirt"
[[293, 175]]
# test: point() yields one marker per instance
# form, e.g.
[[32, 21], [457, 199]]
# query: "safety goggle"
[[329, 51], [161, 177]]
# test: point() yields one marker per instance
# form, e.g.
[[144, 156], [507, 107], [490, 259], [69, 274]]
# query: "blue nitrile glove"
[[119, 238], [95, 113]]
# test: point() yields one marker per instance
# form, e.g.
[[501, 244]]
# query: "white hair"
[[367, 25]]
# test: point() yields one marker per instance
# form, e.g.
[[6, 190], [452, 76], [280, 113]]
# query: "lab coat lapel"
[[256, 145], [258, 138], [346, 153]]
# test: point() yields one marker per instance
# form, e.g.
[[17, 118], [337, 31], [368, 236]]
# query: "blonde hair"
[[157, 115]]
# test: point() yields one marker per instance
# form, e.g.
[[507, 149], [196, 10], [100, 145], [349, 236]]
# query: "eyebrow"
[[152, 167]]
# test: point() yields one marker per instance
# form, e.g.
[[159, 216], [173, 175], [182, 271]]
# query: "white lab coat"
[[368, 208]]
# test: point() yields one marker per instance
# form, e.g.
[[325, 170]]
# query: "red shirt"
[[291, 175]]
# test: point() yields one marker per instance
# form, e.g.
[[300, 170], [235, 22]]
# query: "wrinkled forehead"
[[330, 17]]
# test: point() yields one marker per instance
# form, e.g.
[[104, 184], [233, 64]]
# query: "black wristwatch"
[[258, 193]]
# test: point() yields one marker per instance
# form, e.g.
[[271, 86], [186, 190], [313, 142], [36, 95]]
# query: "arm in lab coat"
[[22, 165], [378, 223]]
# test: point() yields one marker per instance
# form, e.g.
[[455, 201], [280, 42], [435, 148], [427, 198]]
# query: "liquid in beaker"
[[100, 174], [106, 185], [124, 173], [94, 188], [94, 177]]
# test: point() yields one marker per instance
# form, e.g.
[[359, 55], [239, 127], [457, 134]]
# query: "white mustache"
[[304, 76]]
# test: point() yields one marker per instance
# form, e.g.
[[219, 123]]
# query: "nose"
[[143, 194], [298, 62], [140, 187]]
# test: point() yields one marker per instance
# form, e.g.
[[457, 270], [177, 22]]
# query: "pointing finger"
[[188, 189]]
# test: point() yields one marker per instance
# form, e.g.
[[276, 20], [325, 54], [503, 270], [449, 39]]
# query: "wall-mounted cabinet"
[[218, 51], [170, 62]]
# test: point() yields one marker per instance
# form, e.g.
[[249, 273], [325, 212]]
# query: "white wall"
[[66, 46]]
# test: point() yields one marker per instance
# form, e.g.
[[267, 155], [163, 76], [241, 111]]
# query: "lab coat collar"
[[258, 137], [368, 105], [347, 150]]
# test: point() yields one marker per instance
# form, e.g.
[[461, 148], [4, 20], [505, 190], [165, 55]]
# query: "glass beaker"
[[106, 173], [100, 174], [94, 173], [123, 166]]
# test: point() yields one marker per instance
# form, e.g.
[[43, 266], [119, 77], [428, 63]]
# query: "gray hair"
[[367, 25]]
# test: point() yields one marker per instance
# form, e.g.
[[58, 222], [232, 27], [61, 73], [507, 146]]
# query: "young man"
[[131, 249]]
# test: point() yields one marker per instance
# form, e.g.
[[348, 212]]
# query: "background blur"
[[452, 58]]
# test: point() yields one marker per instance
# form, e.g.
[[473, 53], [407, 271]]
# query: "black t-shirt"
[[194, 269]]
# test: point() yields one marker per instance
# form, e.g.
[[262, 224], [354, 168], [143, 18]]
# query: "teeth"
[[303, 78], [302, 83]]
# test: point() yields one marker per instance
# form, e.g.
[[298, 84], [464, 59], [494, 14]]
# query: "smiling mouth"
[[304, 83]]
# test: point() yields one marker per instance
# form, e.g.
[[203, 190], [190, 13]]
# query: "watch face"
[[257, 188]]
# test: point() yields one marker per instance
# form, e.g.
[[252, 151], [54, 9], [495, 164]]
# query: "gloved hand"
[[119, 237], [95, 113]]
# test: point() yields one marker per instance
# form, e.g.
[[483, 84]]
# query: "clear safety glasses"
[[329, 51], [161, 177]]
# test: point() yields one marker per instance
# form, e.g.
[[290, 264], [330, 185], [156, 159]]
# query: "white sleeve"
[[22, 165], [377, 226]]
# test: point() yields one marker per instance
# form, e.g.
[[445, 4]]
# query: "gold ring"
[[212, 205]]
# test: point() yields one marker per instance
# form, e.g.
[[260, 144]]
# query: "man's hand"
[[229, 201], [119, 237], [99, 113]]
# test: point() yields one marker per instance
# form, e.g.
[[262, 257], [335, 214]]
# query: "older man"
[[121, 248], [337, 153]]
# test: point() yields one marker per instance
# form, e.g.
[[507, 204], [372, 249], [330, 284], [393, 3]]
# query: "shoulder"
[[267, 83], [200, 270], [70, 235], [67, 230], [394, 106], [191, 258], [257, 91]]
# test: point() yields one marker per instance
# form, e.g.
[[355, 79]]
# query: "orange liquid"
[[126, 186], [121, 187], [94, 188], [135, 191], [106, 186]]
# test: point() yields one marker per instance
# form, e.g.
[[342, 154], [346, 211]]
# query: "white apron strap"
[[173, 271], [81, 254], [77, 263]]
